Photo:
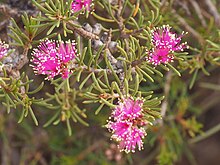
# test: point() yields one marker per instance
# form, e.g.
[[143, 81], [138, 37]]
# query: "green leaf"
[[102, 18], [37, 89], [84, 81], [136, 85], [174, 69], [107, 103], [68, 127], [40, 7], [99, 109], [193, 79], [51, 119], [33, 116]]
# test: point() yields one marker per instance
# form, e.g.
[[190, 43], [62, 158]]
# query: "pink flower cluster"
[[165, 43], [3, 49], [127, 124], [51, 58], [77, 5]]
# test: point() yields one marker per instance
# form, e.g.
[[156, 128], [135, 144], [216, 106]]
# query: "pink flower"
[[165, 43], [77, 5], [52, 59], [3, 49], [127, 125], [132, 138], [129, 108]]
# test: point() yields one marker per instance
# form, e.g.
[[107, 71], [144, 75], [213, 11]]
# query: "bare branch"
[[199, 12], [212, 9], [189, 28]]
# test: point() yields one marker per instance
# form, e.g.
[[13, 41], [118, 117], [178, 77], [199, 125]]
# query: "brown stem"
[[138, 62], [22, 60], [189, 28], [213, 10], [166, 94], [198, 12], [81, 31]]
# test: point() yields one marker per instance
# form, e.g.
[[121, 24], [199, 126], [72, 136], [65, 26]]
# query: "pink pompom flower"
[[51, 58], [127, 124], [4, 48], [77, 5], [165, 44]]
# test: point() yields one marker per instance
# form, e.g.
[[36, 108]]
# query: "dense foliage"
[[89, 71]]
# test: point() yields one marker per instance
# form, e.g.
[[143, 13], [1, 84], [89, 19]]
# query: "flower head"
[[77, 5], [52, 59], [165, 43], [4, 48], [128, 109], [127, 124]]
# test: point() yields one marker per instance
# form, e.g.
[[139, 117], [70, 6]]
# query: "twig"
[[120, 19], [134, 32], [206, 14], [93, 69], [199, 12], [22, 60], [109, 38], [166, 94], [82, 32], [212, 9], [206, 134], [138, 62], [183, 5], [90, 149], [189, 28]]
